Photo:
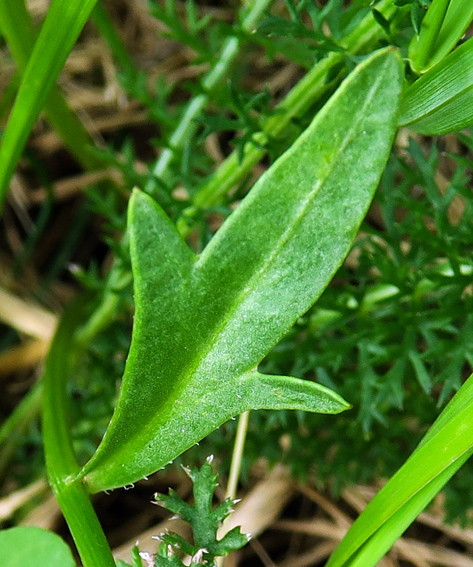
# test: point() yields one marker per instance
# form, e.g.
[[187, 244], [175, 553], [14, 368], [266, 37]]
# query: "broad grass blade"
[[64, 21], [443, 450], [441, 101], [202, 325]]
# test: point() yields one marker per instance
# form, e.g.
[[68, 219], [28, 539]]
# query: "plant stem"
[[299, 99], [187, 126], [18, 421], [237, 455], [232, 170], [235, 468], [119, 277], [60, 459]]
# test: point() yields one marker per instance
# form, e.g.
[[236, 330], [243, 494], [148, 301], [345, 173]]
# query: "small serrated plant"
[[206, 319], [203, 520]]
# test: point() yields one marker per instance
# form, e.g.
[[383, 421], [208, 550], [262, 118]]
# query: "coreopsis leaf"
[[441, 101], [203, 324]]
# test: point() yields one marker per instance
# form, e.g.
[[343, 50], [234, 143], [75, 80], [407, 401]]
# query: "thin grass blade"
[[64, 21], [423, 44], [442, 27], [16, 25]]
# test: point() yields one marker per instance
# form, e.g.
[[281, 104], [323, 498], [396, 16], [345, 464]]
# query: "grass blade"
[[423, 44], [442, 27], [444, 449], [64, 21], [441, 101], [17, 27]]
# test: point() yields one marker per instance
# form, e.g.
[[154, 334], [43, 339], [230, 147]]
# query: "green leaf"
[[135, 559], [64, 21], [442, 27], [423, 44], [421, 372], [203, 325], [382, 21], [28, 546], [17, 28], [443, 450], [441, 101], [204, 521]]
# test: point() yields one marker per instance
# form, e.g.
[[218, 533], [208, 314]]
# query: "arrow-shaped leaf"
[[203, 325]]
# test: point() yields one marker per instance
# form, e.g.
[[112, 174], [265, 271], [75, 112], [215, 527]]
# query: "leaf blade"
[[441, 101], [262, 270], [29, 546], [16, 26], [60, 30], [442, 451], [442, 27]]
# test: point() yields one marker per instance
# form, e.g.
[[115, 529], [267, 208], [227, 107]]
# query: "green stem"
[[17, 422], [61, 463], [299, 99], [235, 467], [119, 277], [237, 455], [187, 126], [24, 412], [232, 170]]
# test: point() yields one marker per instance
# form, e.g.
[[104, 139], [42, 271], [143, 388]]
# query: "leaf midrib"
[[247, 289], [202, 353]]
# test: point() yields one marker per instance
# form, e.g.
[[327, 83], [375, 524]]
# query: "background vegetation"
[[392, 333]]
